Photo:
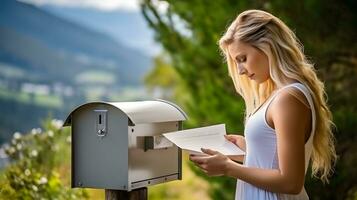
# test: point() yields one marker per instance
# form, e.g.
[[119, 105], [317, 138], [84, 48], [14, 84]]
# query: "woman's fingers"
[[237, 140], [231, 138], [200, 162], [198, 159], [209, 151], [212, 163]]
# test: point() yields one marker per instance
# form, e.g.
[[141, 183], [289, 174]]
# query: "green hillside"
[[49, 65]]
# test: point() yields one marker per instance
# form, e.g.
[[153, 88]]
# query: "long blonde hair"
[[269, 34]]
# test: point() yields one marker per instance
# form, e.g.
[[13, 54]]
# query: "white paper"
[[209, 137]]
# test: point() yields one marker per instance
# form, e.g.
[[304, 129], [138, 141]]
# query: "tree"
[[189, 31]]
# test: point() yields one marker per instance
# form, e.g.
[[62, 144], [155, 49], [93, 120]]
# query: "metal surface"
[[142, 111], [152, 164], [156, 142], [150, 111], [100, 162], [108, 148], [154, 181]]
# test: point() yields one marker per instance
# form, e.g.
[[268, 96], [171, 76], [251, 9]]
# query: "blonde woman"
[[287, 121]]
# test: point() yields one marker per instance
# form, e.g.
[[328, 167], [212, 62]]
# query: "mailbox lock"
[[101, 122], [101, 133]]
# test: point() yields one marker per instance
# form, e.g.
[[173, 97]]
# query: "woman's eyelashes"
[[241, 59]]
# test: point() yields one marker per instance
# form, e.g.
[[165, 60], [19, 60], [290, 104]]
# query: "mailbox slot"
[[101, 122]]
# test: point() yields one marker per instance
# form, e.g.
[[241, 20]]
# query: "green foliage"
[[168, 83], [189, 31], [36, 159], [197, 61]]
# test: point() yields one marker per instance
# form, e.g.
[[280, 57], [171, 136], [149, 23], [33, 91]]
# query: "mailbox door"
[[100, 160], [152, 166]]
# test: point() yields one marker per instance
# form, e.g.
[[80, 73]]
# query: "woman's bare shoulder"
[[289, 106], [291, 97]]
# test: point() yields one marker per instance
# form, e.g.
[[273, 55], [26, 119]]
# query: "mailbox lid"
[[139, 112], [151, 111]]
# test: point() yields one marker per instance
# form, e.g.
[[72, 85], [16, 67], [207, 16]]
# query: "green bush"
[[39, 165]]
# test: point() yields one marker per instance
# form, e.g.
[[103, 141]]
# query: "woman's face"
[[250, 61]]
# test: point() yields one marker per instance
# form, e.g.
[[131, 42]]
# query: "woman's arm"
[[291, 120]]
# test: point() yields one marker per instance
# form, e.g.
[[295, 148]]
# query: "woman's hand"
[[237, 140], [240, 142], [213, 163]]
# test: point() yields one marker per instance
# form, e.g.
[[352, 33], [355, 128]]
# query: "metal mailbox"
[[119, 145]]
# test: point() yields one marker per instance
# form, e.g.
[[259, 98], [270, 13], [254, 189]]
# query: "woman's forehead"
[[238, 48]]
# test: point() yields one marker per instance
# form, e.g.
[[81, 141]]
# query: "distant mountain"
[[127, 27], [40, 62], [49, 65], [48, 45]]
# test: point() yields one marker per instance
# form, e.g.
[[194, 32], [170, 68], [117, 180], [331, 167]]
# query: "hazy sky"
[[149, 46], [130, 5], [107, 5]]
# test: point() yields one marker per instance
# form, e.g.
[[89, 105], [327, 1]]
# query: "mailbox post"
[[137, 194], [119, 147]]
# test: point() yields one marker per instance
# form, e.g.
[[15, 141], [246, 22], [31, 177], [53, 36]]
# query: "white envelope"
[[209, 137]]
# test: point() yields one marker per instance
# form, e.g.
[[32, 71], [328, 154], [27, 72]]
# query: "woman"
[[287, 120]]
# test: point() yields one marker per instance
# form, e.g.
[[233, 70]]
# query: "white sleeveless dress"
[[261, 150]]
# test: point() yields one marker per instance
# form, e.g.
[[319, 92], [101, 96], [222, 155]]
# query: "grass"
[[11, 71], [48, 100], [96, 77], [129, 94], [51, 101], [17, 96], [94, 93]]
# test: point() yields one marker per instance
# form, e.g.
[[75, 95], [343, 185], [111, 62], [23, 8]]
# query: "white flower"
[[34, 187], [27, 172], [50, 133], [43, 180], [36, 131], [18, 146], [57, 123], [17, 135], [34, 153], [13, 141], [12, 150]]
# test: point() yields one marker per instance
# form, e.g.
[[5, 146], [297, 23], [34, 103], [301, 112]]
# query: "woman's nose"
[[241, 69]]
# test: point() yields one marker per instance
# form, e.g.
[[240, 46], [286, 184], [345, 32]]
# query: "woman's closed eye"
[[241, 59]]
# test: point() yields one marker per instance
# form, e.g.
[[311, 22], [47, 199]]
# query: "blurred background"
[[58, 54]]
